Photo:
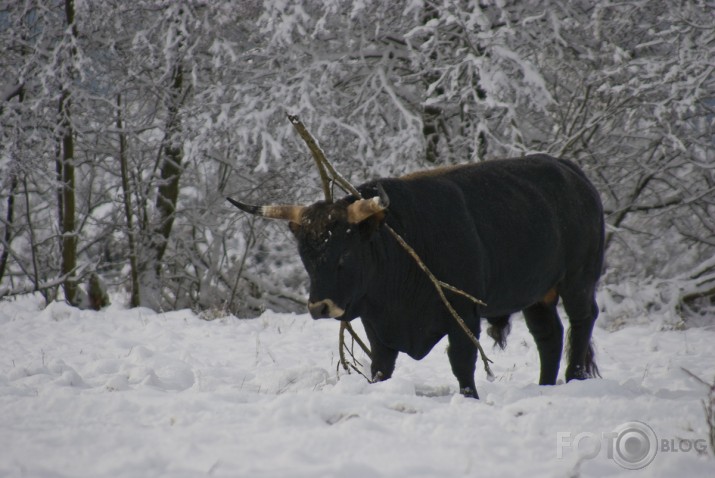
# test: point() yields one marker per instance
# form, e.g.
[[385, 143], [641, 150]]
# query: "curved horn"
[[286, 213], [364, 208]]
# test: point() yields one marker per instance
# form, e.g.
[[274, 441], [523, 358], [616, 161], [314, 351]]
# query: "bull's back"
[[516, 228]]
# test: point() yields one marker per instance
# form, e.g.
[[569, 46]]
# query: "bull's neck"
[[398, 280]]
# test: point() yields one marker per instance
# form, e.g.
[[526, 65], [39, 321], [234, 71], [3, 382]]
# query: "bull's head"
[[333, 245]]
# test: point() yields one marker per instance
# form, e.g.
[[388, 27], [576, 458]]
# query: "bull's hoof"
[[469, 393], [577, 373]]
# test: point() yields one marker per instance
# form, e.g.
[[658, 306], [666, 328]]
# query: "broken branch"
[[346, 325], [342, 347], [322, 161], [318, 154]]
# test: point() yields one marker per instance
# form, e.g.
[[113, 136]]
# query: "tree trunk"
[[33, 242], [66, 168], [167, 195], [9, 219], [67, 219], [431, 114], [168, 192], [10, 214], [135, 299]]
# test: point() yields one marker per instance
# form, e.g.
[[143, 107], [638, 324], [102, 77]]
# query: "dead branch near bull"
[[342, 347], [318, 154], [356, 338], [322, 162], [326, 168]]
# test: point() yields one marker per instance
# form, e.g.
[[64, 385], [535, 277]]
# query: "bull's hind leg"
[[544, 323], [582, 310]]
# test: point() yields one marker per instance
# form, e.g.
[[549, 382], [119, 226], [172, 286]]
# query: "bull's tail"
[[589, 368], [499, 328]]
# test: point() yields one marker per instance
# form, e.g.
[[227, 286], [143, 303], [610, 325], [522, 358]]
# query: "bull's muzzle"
[[325, 309]]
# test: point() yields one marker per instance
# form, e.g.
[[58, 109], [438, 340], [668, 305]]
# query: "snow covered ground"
[[133, 393]]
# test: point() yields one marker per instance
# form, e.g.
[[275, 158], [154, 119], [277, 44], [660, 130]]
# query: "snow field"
[[127, 393]]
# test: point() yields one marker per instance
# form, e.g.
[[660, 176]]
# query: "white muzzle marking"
[[324, 309]]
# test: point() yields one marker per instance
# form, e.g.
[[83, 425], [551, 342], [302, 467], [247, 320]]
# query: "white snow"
[[130, 393]]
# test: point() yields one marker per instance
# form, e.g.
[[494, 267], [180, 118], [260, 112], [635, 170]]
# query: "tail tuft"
[[499, 328], [590, 366]]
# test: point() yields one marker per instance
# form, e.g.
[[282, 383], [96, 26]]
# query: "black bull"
[[517, 233]]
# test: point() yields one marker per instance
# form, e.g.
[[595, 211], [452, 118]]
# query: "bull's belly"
[[414, 340]]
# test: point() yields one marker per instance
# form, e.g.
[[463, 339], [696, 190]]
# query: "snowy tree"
[[171, 106]]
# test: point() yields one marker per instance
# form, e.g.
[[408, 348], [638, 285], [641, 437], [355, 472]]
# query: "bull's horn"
[[364, 208], [286, 213]]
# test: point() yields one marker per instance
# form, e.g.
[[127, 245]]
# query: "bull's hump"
[[435, 172]]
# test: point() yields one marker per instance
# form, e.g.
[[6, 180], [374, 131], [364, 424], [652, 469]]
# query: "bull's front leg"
[[462, 355], [383, 357]]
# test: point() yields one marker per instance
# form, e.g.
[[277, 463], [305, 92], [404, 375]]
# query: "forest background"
[[124, 125]]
